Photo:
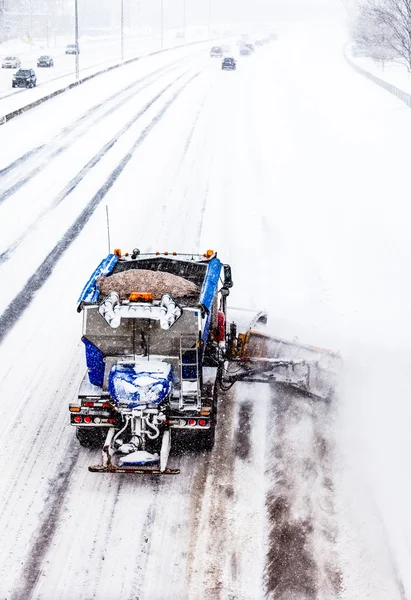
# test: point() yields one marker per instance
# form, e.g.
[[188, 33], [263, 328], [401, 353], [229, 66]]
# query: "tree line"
[[382, 30]]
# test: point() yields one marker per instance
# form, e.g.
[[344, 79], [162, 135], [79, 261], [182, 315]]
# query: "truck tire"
[[91, 437], [208, 437]]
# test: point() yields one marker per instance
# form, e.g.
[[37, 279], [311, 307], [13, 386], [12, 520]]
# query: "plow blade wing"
[[262, 358]]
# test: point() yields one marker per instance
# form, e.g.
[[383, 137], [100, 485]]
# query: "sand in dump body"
[[142, 281]]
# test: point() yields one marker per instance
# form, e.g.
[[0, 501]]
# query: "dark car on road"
[[24, 78], [45, 61], [229, 64]]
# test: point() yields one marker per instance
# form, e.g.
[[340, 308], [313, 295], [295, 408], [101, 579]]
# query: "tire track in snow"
[[71, 186], [47, 527], [210, 511], [89, 113], [185, 172], [11, 496], [145, 543], [300, 562], [168, 205], [118, 483], [59, 149], [242, 438], [205, 193], [195, 507], [24, 298]]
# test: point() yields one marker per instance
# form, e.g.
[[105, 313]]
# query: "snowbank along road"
[[281, 167]]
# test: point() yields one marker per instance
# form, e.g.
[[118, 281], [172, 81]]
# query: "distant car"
[[250, 47], [72, 49], [45, 61], [216, 51], [11, 62], [228, 64], [24, 78], [245, 51]]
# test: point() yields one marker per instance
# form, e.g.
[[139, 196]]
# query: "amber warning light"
[[140, 297]]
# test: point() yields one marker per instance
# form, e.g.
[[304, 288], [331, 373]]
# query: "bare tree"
[[384, 26]]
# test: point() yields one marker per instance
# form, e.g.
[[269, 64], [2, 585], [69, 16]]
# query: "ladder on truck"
[[190, 393]]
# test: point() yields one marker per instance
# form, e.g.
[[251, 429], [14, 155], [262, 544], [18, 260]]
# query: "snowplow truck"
[[160, 343]]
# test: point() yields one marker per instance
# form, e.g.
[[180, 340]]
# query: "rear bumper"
[[132, 470]]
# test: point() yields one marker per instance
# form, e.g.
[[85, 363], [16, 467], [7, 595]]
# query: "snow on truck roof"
[[193, 279]]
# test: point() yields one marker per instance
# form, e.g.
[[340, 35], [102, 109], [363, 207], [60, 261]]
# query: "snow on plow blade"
[[262, 358]]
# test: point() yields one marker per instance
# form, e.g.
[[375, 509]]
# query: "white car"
[[11, 62], [72, 49]]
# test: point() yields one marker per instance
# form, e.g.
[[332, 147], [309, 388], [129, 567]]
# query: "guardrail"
[[15, 113], [392, 89]]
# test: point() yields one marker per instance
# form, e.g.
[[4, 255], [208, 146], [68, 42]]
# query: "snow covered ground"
[[296, 170], [391, 72]]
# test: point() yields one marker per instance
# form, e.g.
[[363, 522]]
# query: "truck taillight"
[[87, 419], [88, 404], [192, 422], [77, 419], [202, 422]]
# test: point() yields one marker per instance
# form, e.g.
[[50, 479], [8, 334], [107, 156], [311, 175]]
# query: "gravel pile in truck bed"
[[154, 282]]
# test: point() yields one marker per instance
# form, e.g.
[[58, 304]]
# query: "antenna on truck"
[[108, 229]]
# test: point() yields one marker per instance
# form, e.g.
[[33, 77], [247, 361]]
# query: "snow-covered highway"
[[295, 169]]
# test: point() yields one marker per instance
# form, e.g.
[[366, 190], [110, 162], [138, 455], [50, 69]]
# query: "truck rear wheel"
[[208, 437], [91, 437]]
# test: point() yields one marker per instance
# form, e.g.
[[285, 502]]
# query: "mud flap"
[[165, 450]]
